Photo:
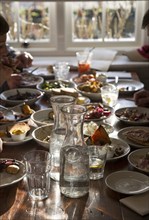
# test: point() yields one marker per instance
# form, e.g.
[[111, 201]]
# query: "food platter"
[[97, 112], [127, 182], [139, 159], [133, 115], [127, 86], [7, 179], [123, 134]]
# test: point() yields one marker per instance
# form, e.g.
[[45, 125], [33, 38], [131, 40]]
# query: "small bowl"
[[33, 96], [18, 136], [41, 117], [93, 96], [42, 133]]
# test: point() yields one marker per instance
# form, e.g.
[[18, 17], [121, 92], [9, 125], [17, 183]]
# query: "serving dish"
[[123, 135], [90, 90], [17, 96], [139, 159], [49, 85], [42, 135], [97, 112], [43, 117], [117, 149], [45, 72], [127, 87], [127, 182], [133, 115], [7, 179]]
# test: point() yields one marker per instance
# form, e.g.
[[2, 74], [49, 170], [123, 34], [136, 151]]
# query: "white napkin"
[[138, 203]]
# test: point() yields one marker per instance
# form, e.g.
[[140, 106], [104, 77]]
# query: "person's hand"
[[24, 60], [14, 81], [141, 98]]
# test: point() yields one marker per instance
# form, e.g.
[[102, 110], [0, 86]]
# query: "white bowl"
[[48, 91], [41, 117], [36, 94], [41, 133], [93, 96], [18, 137]]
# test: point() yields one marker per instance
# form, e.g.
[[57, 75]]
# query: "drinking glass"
[[97, 161], [61, 70], [38, 165], [84, 61], [109, 94]]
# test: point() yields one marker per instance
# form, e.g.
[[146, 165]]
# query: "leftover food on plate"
[[143, 162], [97, 111], [10, 166], [133, 114], [138, 136]]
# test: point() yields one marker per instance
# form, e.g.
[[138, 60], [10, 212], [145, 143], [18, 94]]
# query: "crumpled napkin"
[[138, 203]]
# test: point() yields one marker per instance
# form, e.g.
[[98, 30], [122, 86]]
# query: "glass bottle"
[[58, 133], [74, 157]]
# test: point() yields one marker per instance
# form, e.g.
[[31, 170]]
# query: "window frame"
[[61, 44]]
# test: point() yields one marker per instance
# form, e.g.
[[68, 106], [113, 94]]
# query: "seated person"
[[141, 54], [9, 78]]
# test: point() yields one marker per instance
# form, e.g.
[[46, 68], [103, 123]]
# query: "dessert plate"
[[128, 182]]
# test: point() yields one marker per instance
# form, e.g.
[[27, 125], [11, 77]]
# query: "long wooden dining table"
[[101, 203]]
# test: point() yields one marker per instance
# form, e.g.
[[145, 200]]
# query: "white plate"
[[135, 156], [9, 117], [142, 120], [128, 182], [128, 86], [30, 80], [9, 141], [117, 143], [121, 134], [7, 179], [41, 117], [100, 118]]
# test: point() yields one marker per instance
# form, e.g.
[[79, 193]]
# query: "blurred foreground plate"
[[127, 182]]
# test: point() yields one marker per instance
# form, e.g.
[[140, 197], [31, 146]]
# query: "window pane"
[[27, 20], [120, 20], [106, 20]]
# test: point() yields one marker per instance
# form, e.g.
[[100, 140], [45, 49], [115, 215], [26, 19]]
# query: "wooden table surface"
[[101, 202]]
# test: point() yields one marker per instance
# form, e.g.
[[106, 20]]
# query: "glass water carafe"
[[74, 157], [58, 133]]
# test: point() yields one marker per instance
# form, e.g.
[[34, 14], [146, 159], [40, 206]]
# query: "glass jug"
[[58, 133], [74, 157]]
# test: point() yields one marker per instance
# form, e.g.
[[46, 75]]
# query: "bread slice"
[[138, 136], [20, 126]]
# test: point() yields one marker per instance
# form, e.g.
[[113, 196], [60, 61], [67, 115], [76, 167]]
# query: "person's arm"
[[4, 87]]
